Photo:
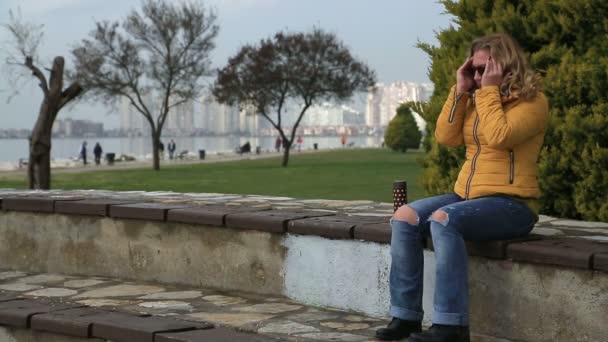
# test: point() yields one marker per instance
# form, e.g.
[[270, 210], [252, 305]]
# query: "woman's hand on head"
[[493, 74], [464, 77]]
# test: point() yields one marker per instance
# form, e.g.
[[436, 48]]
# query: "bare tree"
[[155, 59], [23, 55], [300, 67]]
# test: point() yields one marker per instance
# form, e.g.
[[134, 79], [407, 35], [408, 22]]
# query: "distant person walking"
[[171, 149], [343, 140], [300, 141], [161, 150], [277, 144], [83, 152], [97, 151]]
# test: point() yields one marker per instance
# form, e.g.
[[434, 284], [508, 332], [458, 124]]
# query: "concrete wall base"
[[8, 334]]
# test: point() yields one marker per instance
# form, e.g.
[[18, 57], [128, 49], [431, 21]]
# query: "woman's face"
[[480, 57]]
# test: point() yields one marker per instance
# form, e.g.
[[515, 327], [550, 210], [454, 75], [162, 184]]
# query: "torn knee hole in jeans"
[[408, 217], [415, 224], [440, 217]]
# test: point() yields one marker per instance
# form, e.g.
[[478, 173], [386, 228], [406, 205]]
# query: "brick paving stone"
[[564, 252], [335, 229], [18, 313], [600, 261], [32, 204], [213, 215], [376, 232], [144, 211], [495, 249], [139, 329], [270, 220], [72, 322], [95, 207]]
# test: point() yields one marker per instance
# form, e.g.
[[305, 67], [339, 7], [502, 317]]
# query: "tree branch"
[[56, 80], [29, 63], [69, 94]]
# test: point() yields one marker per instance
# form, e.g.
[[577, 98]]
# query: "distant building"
[[328, 114], [180, 119], [251, 122], [77, 128], [219, 118], [383, 102], [132, 122]]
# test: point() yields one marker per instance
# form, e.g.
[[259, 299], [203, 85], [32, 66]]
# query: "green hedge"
[[568, 45], [402, 132]]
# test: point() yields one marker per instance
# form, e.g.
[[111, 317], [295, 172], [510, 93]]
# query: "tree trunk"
[[155, 150], [39, 166], [286, 149]]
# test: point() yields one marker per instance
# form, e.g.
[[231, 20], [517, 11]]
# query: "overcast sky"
[[382, 33]]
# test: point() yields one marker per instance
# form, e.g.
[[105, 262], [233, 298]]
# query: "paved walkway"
[[210, 158], [268, 315]]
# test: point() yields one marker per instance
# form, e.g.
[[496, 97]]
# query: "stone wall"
[[544, 288]]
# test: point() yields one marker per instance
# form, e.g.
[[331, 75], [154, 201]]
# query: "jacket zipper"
[[474, 161], [453, 110], [512, 167]]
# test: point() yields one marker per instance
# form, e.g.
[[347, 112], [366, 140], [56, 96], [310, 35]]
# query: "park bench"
[[245, 148]]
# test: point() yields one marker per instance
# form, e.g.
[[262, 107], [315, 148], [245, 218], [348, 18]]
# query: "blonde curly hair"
[[520, 79]]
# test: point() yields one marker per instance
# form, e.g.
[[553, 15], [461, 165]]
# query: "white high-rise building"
[[180, 119], [132, 122], [383, 102], [219, 118], [328, 114]]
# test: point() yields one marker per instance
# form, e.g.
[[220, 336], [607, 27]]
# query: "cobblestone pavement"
[[272, 316]]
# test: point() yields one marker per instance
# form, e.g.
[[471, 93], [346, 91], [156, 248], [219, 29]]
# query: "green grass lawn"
[[357, 174]]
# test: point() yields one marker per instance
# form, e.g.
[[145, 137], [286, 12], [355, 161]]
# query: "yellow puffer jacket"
[[503, 138]]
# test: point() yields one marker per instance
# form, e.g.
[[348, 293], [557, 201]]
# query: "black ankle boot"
[[398, 329], [442, 333]]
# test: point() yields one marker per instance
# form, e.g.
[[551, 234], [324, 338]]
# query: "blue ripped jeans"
[[487, 218]]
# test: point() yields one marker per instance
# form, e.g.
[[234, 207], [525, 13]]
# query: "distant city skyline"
[[220, 119], [381, 33]]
